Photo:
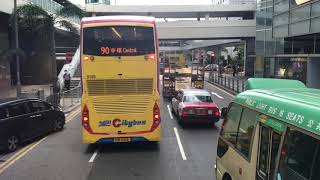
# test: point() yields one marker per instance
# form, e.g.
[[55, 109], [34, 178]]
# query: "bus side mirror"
[[224, 112]]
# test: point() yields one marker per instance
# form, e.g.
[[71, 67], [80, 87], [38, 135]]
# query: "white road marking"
[[93, 156], [169, 109], [183, 154], [221, 90], [220, 97]]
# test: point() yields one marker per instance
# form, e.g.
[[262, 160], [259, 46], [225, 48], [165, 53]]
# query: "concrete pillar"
[[313, 73], [249, 57]]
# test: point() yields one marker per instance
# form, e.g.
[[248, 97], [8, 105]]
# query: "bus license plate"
[[121, 139]]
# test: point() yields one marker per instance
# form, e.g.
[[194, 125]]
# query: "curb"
[[222, 87], [71, 108]]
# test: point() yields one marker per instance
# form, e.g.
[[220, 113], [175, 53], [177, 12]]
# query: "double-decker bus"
[[120, 79]]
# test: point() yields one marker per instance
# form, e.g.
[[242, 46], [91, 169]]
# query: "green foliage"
[[33, 19], [68, 25], [240, 53], [71, 10]]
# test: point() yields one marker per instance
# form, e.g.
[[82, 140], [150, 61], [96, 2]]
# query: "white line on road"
[[169, 109], [180, 144], [93, 156], [221, 90], [220, 97]]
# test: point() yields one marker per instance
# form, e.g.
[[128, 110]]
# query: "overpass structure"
[[214, 29], [215, 25], [246, 11]]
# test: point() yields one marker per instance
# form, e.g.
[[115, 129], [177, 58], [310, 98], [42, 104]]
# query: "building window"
[[315, 11], [299, 28], [303, 44], [317, 46], [280, 31], [300, 13], [291, 68], [315, 25], [281, 7]]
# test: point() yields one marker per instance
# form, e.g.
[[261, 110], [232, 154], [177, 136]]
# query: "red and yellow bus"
[[120, 79]]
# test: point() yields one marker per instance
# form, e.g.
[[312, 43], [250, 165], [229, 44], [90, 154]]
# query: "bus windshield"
[[118, 41]]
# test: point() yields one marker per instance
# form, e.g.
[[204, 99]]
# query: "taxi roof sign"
[[268, 83]]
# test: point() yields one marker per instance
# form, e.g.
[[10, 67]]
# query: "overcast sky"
[[152, 2]]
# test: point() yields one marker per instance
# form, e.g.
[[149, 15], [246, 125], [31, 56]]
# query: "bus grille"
[[123, 105], [119, 87]]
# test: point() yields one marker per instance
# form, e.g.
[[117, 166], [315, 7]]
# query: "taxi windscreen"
[[118, 41]]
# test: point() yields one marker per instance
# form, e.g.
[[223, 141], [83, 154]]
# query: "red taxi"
[[195, 106]]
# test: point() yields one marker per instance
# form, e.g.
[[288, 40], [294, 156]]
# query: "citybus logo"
[[118, 123]]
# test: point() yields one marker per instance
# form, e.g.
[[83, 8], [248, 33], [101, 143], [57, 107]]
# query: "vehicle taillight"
[[86, 119], [215, 112], [156, 117], [187, 111], [152, 56]]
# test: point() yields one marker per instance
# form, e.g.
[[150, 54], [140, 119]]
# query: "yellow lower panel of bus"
[[88, 138]]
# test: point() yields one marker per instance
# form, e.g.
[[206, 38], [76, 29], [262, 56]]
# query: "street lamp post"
[[16, 33]]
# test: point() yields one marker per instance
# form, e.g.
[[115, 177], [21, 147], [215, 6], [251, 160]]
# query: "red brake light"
[[185, 113], [156, 117], [152, 56], [86, 118]]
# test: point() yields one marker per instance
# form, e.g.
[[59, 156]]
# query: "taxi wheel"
[[12, 143]]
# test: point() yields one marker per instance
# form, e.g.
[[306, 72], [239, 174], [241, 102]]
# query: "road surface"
[[184, 153]]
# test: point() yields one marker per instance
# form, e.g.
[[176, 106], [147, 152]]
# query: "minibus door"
[[268, 150]]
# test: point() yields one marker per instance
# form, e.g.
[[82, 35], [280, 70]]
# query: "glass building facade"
[[288, 40]]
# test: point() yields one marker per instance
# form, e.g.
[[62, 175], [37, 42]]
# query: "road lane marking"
[[72, 116], [183, 154], [93, 156], [22, 152], [221, 90], [20, 155], [220, 97], [170, 113]]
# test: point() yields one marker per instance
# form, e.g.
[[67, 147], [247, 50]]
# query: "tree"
[[240, 53], [39, 23]]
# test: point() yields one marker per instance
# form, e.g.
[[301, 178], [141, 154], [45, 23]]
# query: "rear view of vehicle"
[[195, 106], [120, 101]]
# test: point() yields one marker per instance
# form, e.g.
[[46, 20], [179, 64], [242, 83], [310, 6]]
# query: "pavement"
[[62, 156]]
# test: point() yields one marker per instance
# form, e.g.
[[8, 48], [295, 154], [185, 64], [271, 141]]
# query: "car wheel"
[[58, 125], [12, 143]]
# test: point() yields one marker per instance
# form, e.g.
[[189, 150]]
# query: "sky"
[[152, 2]]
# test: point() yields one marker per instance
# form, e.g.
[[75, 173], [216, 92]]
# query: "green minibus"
[[271, 131]]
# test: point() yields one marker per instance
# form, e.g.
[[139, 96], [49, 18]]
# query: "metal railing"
[[70, 97], [65, 99], [235, 84]]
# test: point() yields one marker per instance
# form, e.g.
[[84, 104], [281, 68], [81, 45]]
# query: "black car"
[[25, 119]]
